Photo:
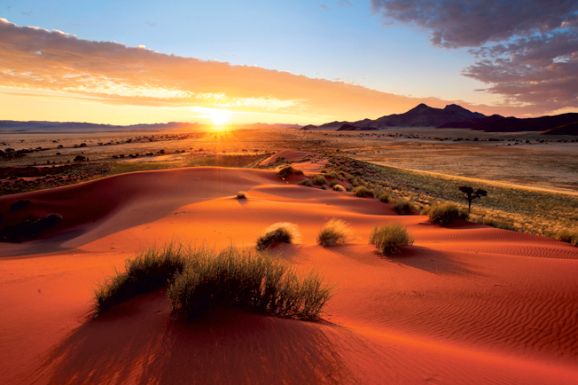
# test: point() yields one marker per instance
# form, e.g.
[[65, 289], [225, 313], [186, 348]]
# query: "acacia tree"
[[470, 194]]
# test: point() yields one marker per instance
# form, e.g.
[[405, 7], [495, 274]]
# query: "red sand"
[[470, 305]]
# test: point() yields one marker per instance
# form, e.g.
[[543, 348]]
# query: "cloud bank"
[[34, 60], [525, 50]]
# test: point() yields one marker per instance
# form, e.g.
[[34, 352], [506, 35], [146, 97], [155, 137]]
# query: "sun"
[[219, 118]]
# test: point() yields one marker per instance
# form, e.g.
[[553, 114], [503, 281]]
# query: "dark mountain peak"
[[422, 107], [455, 108]]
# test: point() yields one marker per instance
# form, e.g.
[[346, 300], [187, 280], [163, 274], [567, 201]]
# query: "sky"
[[299, 61]]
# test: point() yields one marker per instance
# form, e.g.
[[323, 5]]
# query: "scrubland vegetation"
[[335, 232], [444, 214], [390, 239], [278, 233], [505, 206], [198, 280]]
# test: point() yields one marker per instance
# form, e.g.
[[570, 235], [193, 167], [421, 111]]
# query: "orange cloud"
[[37, 62]]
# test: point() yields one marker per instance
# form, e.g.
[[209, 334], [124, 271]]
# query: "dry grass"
[[569, 235], [335, 232], [151, 270], [247, 281], [362, 192], [390, 239], [277, 233], [444, 214]]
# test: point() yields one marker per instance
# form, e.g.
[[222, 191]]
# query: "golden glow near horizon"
[[219, 118]]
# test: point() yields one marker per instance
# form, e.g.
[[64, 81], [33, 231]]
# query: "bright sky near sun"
[[56, 76]]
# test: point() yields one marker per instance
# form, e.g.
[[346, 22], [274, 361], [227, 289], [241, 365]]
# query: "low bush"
[[246, 281], [241, 195], [149, 271], [403, 207], [390, 239], [277, 233], [286, 171], [334, 232], [338, 187], [383, 198], [445, 214], [319, 180], [306, 182], [362, 192], [569, 235]]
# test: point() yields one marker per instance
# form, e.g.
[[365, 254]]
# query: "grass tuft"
[[247, 281], [334, 232], [241, 195], [338, 187], [445, 214], [569, 235], [282, 232], [362, 192], [390, 239], [151, 270], [403, 207], [319, 180], [286, 171]]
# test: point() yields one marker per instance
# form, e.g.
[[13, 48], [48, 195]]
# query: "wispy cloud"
[[32, 59]]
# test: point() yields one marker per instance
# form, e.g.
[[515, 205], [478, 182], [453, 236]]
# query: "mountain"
[[498, 123], [34, 126], [455, 116]]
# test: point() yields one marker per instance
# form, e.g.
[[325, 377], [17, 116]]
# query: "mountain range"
[[455, 116]]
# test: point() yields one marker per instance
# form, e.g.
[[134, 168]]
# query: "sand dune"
[[467, 305]]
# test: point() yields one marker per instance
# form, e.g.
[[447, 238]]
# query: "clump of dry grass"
[[151, 270], [334, 232], [568, 235], [282, 232], [286, 171], [445, 214], [241, 195], [403, 207], [390, 239], [339, 188], [246, 281], [362, 192], [319, 180]]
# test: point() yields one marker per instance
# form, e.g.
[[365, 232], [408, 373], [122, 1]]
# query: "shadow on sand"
[[141, 343]]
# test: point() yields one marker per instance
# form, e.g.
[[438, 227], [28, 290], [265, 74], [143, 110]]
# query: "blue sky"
[[336, 40]]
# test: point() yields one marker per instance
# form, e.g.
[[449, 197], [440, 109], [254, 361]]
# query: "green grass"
[[390, 239], [444, 214], [276, 234], [335, 232], [247, 281], [151, 270]]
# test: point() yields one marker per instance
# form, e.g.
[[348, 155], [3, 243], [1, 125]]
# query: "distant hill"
[[455, 116], [44, 126]]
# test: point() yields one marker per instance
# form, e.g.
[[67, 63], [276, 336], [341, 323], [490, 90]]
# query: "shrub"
[[338, 187], [569, 235], [149, 271], [383, 198], [241, 195], [277, 233], [306, 182], [319, 180], [246, 281], [362, 192], [390, 239], [403, 207], [286, 171], [334, 232], [445, 214]]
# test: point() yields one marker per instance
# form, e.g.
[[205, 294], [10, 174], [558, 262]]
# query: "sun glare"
[[219, 118]]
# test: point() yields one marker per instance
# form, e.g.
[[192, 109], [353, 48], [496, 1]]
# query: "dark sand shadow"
[[143, 344], [431, 260]]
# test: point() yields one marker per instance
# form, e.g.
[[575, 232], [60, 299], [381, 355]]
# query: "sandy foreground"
[[467, 305]]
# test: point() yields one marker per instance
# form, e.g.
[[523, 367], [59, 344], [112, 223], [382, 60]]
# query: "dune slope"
[[466, 305]]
